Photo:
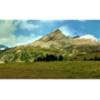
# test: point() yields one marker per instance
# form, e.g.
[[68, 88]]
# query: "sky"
[[19, 32]]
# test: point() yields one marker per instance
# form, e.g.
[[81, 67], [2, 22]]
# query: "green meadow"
[[51, 70]]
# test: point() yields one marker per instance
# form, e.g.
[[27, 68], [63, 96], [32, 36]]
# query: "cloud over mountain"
[[13, 32], [88, 36]]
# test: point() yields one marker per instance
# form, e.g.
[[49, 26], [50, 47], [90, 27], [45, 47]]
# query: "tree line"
[[49, 57], [96, 58]]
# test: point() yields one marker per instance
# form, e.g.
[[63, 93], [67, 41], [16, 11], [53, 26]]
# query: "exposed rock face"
[[54, 39], [85, 40]]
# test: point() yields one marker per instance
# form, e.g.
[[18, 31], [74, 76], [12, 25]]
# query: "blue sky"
[[18, 32]]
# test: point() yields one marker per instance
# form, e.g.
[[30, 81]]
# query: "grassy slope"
[[51, 70]]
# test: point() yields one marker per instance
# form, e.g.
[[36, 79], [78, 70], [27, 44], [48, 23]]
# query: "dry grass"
[[51, 70]]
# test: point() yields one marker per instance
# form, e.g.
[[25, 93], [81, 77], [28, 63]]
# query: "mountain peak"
[[55, 35], [58, 31], [54, 39]]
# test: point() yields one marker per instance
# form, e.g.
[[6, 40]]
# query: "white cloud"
[[27, 25], [7, 28], [88, 36], [7, 36], [66, 30]]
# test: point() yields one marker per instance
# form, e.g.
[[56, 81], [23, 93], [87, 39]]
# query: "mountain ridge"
[[57, 38], [55, 43]]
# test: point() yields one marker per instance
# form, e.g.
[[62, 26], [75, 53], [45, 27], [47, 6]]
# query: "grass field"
[[51, 70]]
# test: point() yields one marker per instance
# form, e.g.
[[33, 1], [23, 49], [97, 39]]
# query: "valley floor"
[[51, 70]]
